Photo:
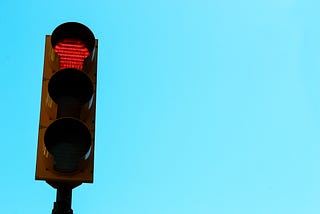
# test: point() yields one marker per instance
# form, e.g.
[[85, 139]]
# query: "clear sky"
[[203, 107]]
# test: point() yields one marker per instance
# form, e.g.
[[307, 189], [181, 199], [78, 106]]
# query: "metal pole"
[[63, 201]]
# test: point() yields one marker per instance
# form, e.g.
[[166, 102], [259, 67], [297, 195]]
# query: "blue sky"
[[203, 106]]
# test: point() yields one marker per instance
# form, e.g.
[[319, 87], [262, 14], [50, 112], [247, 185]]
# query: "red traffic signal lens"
[[73, 42], [72, 53]]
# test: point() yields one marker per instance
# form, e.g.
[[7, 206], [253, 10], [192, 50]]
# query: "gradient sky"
[[203, 106]]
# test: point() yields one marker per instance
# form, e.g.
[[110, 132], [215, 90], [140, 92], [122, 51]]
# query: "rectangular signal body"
[[48, 114]]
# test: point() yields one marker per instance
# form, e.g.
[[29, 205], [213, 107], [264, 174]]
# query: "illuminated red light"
[[72, 53]]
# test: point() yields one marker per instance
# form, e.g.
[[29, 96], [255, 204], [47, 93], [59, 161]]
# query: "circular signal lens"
[[73, 42], [68, 140], [70, 83]]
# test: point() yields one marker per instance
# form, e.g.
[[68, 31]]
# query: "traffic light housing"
[[65, 151]]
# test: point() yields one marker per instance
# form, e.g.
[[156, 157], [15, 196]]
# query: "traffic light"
[[65, 151]]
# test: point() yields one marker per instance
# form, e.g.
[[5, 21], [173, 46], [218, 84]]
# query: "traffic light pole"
[[63, 201]]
